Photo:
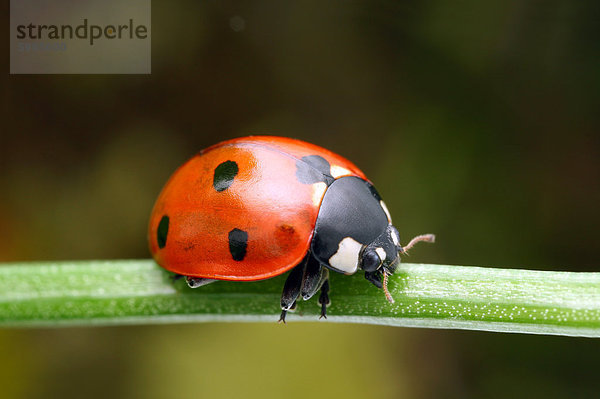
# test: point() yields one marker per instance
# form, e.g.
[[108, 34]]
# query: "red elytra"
[[248, 187]]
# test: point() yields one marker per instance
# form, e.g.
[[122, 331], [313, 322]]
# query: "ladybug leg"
[[375, 277], [195, 282], [293, 308], [314, 277], [282, 316], [324, 298], [291, 289]]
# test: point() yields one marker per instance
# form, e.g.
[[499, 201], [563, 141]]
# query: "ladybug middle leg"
[[305, 279], [291, 289]]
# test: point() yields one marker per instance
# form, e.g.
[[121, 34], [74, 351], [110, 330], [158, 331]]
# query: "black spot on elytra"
[[238, 242], [312, 169], [162, 231], [224, 175]]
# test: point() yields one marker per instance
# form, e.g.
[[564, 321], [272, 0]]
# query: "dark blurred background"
[[476, 120]]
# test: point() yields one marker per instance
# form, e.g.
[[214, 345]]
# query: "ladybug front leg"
[[316, 277], [324, 299], [375, 277], [291, 289]]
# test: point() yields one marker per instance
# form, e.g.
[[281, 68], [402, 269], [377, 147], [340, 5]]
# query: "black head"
[[381, 258], [383, 254]]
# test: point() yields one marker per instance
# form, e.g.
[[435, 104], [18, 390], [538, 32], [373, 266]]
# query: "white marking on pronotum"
[[381, 252], [318, 192], [395, 237], [346, 257], [337, 171], [387, 213]]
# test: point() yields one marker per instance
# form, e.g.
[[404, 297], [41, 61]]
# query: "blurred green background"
[[477, 121]]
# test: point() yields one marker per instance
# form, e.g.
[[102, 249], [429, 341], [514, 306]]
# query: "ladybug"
[[256, 207]]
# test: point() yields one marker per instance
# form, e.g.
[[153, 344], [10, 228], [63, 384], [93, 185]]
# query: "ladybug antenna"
[[411, 243], [388, 296]]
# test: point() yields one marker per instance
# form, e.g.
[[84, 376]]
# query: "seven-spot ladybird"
[[256, 207]]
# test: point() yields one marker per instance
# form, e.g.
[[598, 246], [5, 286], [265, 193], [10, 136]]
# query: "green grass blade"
[[429, 296]]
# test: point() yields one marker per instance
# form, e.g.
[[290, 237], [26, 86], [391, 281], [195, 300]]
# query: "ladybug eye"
[[370, 261]]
